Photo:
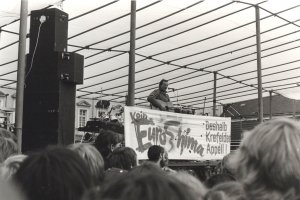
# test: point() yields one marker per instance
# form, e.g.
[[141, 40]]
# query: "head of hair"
[[161, 81], [231, 190], [122, 158], [154, 152], [11, 165], [217, 179], [54, 173], [148, 186], [7, 134], [106, 139], [268, 159], [92, 157], [7, 148], [194, 185]]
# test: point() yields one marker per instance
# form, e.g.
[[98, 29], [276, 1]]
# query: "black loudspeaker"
[[48, 30], [49, 99], [71, 67]]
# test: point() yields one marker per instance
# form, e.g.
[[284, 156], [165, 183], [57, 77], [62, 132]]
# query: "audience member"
[[93, 159], [268, 160], [231, 190], [158, 155], [7, 148], [11, 165], [217, 179], [54, 173], [193, 184], [122, 158], [7, 134], [148, 186], [106, 142]]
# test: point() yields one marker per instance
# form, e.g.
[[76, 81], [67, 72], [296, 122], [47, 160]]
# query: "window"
[[82, 117], [1, 102]]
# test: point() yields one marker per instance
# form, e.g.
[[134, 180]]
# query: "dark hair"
[[161, 82], [105, 139], [123, 158], [148, 186], [55, 173], [154, 152], [217, 179]]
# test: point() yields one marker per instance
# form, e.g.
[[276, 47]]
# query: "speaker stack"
[[50, 84]]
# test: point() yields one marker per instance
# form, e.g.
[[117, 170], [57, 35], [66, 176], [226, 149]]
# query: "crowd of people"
[[265, 167]]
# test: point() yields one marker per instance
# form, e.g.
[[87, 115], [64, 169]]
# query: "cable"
[[42, 20]]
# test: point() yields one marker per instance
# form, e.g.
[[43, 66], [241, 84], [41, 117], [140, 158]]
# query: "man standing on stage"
[[159, 97]]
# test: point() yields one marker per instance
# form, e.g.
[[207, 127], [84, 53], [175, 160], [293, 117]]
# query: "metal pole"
[[259, 81], [294, 108], [131, 76], [21, 71], [215, 94], [270, 104]]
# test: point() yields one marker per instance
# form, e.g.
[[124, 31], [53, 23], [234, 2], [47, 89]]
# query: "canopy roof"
[[186, 42]]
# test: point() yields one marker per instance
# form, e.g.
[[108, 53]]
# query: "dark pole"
[[259, 80], [21, 72], [270, 104], [131, 76], [215, 94]]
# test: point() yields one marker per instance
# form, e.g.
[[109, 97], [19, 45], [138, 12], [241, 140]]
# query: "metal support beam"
[[21, 71], [215, 94], [259, 79], [270, 104], [131, 76]]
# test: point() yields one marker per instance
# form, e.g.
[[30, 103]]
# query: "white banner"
[[185, 137]]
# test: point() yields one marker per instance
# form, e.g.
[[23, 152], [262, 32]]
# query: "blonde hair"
[[92, 157], [11, 165], [194, 185], [268, 159]]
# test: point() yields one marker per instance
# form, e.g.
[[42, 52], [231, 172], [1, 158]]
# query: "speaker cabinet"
[[48, 30], [49, 99]]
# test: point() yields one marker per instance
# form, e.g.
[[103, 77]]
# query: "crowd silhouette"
[[266, 166]]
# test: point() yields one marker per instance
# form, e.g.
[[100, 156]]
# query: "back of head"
[[92, 157], [217, 179], [231, 190], [7, 148], [11, 165], [106, 139], [7, 134], [268, 158], [194, 185], [55, 173], [123, 158], [154, 152], [148, 186]]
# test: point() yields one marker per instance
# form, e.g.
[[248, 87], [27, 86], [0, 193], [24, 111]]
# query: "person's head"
[[122, 158], [11, 165], [217, 179], [269, 157], [163, 85], [157, 154], [54, 173], [7, 134], [232, 190], [148, 186], [92, 157], [107, 141], [7, 148], [194, 185]]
